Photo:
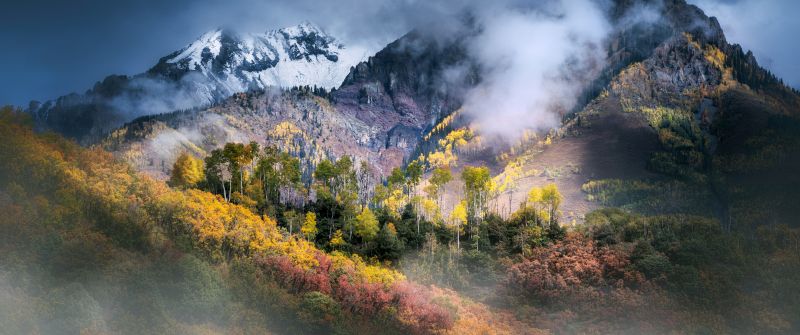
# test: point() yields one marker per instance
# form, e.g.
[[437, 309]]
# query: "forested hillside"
[[92, 246]]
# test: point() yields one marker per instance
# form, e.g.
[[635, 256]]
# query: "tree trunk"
[[416, 214], [330, 225], [510, 199], [458, 239]]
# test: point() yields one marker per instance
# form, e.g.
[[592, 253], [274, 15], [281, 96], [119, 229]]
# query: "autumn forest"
[[503, 167]]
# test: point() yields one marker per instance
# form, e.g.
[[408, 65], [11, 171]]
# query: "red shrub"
[[411, 301], [616, 266], [295, 278], [414, 304], [574, 266], [363, 298], [593, 286], [557, 269]]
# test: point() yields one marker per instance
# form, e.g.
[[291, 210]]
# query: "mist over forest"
[[447, 167]]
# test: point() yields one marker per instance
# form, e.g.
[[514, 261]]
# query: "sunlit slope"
[[90, 245], [677, 133]]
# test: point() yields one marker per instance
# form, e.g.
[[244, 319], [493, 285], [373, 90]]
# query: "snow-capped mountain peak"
[[293, 56], [304, 28], [210, 42]]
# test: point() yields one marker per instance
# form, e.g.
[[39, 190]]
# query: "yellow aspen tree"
[[309, 228]]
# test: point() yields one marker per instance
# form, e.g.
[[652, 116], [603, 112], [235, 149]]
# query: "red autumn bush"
[[577, 280], [415, 306], [574, 266], [295, 278], [411, 302]]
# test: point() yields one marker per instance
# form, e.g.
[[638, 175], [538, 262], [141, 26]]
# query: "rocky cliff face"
[[407, 87], [676, 67], [295, 121], [679, 111], [378, 114]]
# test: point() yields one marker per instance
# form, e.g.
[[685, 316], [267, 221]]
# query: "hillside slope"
[[162, 260], [664, 124], [90, 245], [701, 142]]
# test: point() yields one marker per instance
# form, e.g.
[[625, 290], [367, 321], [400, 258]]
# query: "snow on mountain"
[[217, 65], [294, 56]]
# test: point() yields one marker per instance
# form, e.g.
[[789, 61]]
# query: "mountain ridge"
[[213, 67], [256, 60]]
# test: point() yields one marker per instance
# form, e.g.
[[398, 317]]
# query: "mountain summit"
[[294, 56], [212, 68]]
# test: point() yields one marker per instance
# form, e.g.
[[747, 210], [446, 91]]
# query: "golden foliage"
[[187, 171], [309, 228], [81, 179], [458, 216], [285, 134], [446, 155], [366, 225], [395, 201], [338, 239], [442, 125]]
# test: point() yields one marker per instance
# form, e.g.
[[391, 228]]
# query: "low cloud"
[[535, 61], [147, 96]]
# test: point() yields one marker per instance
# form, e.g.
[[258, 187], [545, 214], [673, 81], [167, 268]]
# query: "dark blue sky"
[[53, 47]]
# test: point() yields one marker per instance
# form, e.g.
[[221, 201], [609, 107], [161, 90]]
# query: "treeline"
[[747, 71], [318, 91], [402, 220]]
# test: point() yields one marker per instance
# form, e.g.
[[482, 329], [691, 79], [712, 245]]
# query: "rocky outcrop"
[[379, 114], [386, 103], [676, 68], [408, 85]]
